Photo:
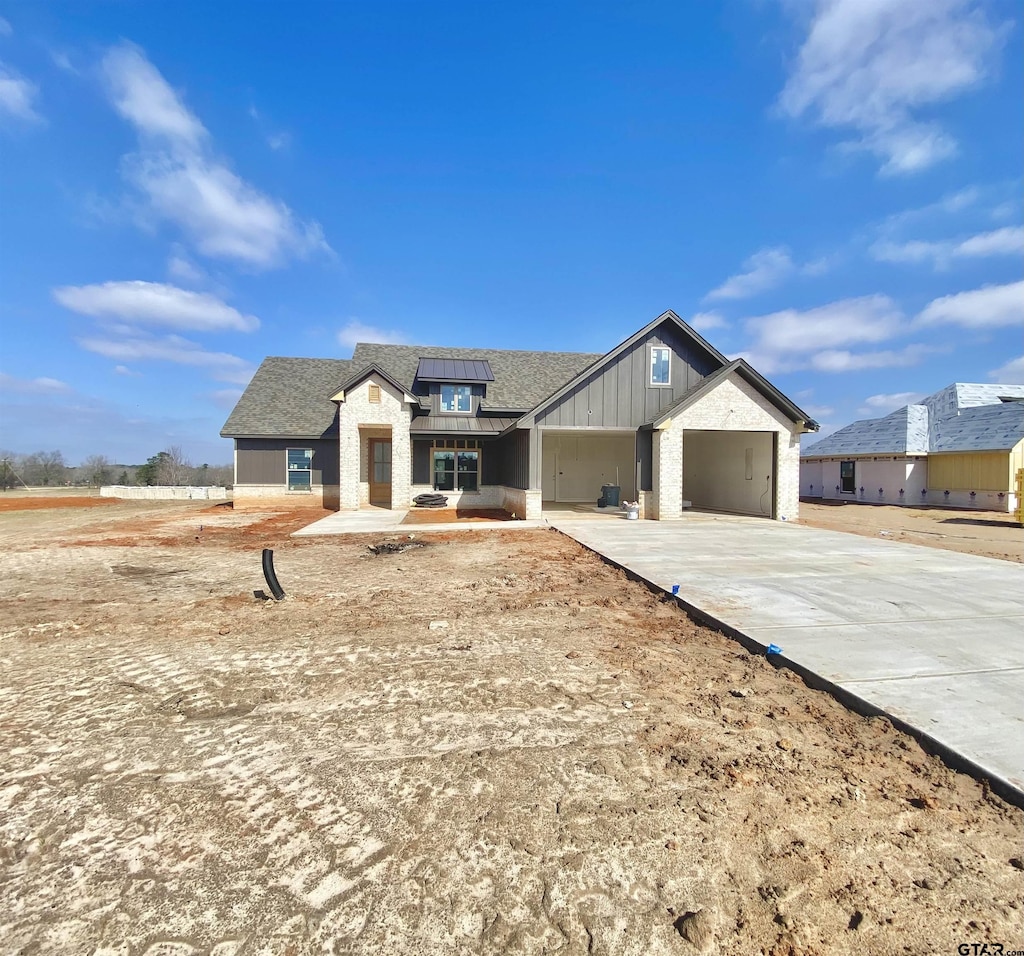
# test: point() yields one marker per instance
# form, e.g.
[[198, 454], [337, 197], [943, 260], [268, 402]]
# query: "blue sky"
[[831, 189]]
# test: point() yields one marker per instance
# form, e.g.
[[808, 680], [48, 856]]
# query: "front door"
[[380, 471]]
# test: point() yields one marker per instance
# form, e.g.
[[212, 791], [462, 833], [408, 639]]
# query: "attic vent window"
[[660, 360], [375, 394]]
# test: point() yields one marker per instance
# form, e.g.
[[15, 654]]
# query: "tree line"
[[49, 469]]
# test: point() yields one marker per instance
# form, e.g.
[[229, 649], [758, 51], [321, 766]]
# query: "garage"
[[576, 464], [730, 471]]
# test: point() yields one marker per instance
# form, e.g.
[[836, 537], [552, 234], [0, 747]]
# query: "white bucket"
[[632, 512]]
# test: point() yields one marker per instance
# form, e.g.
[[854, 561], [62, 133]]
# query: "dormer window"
[[456, 398]]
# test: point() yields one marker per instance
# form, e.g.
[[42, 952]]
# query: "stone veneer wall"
[[358, 420], [262, 496], [735, 405], [185, 492]]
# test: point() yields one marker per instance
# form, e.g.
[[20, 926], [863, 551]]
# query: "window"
[[660, 359], [456, 468], [847, 477], [300, 469], [374, 396], [456, 398]]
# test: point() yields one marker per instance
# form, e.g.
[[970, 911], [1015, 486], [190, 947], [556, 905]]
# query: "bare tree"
[[10, 470], [174, 467], [97, 470], [44, 468]]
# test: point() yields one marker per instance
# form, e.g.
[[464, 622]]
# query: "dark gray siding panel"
[[421, 462], [645, 455], [261, 461], [512, 454], [490, 463], [620, 396], [477, 394]]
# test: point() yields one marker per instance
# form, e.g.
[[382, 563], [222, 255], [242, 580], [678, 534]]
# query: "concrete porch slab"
[[381, 521], [933, 638]]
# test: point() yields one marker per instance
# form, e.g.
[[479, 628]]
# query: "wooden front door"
[[380, 471]]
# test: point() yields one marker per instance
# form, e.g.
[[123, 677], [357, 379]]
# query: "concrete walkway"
[[931, 637]]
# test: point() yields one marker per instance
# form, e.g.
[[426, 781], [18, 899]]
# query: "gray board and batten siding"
[[263, 461], [620, 394]]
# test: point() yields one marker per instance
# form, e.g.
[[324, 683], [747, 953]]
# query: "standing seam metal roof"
[[453, 370]]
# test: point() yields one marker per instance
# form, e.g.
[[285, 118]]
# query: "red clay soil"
[[252, 532], [443, 515], [39, 504]]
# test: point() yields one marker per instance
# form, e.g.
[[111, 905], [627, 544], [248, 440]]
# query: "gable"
[[289, 397], [731, 404], [616, 391]]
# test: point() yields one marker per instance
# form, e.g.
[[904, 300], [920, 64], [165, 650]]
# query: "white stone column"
[[667, 455]]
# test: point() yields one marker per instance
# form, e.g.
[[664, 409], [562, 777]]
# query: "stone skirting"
[[260, 496]]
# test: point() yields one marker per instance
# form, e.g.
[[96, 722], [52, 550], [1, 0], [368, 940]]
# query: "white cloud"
[[842, 360], [883, 404], [706, 321], [1012, 373], [871, 65], [818, 412], [948, 205], [5, 28], [143, 97], [356, 331], [183, 269], [32, 386], [987, 307], [154, 303], [185, 183], [124, 370], [226, 397], [1000, 242], [821, 338], [763, 270], [62, 61], [17, 95], [172, 348], [868, 319]]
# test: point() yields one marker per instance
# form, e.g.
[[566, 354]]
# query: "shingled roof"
[[290, 398], [521, 379], [961, 417]]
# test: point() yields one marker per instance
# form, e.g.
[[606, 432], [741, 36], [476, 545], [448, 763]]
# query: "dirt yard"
[[971, 532], [489, 743]]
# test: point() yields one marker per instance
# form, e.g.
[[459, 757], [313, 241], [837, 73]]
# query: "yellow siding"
[[974, 471]]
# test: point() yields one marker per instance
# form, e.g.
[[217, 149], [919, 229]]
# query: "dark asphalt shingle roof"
[[521, 379], [289, 397]]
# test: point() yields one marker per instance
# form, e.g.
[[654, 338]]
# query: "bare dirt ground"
[[490, 743], [986, 533]]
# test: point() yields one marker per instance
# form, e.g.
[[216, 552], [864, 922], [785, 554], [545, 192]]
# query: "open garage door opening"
[[730, 471], [577, 465]]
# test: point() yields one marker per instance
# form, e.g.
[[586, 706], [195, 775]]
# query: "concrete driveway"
[[931, 637]]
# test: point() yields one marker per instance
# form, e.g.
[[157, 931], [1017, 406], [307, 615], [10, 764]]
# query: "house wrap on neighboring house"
[[663, 416], [960, 447]]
